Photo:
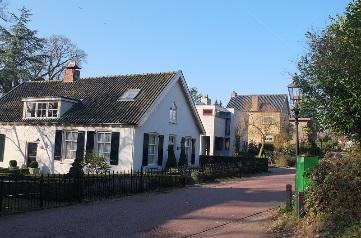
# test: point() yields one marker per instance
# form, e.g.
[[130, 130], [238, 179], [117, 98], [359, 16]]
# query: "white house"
[[128, 119], [219, 126]]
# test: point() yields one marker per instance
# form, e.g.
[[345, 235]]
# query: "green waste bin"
[[304, 165]]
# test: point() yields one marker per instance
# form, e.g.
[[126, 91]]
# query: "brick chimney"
[[255, 103], [72, 72], [205, 100]]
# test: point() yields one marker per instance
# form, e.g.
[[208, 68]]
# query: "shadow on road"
[[176, 212]]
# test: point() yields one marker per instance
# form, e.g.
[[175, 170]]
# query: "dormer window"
[[42, 109], [129, 95], [46, 108], [173, 113]]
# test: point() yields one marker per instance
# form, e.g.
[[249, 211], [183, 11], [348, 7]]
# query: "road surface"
[[233, 208]]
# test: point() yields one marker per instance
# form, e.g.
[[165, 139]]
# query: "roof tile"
[[98, 98]]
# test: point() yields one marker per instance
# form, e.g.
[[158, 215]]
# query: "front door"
[[32, 150]]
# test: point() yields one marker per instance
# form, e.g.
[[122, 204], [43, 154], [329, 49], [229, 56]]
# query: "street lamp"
[[295, 93]]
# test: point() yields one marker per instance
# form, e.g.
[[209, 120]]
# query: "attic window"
[[129, 95], [42, 109]]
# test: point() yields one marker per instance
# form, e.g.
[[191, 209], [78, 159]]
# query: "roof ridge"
[[125, 75], [106, 76], [270, 94]]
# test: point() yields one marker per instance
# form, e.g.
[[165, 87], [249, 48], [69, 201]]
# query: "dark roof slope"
[[272, 102], [98, 98]]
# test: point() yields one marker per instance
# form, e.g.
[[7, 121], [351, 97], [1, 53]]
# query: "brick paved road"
[[177, 213]]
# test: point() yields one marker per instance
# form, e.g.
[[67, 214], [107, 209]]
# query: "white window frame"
[[173, 113], [105, 154], [153, 157], [129, 95], [47, 110], [272, 121], [173, 140], [188, 147], [268, 138], [71, 141]]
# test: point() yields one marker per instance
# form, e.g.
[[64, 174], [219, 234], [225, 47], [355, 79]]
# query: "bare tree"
[[56, 54], [3, 10]]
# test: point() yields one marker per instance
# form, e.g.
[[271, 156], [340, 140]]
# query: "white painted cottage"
[[128, 119]]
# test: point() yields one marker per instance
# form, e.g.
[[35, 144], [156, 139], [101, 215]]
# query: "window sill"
[[152, 167], [172, 122], [66, 161]]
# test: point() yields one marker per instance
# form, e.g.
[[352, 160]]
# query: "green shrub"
[[13, 163], [336, 188], [253, 149], [171, 161], [353, 230], [285, 160], [34, 164], [183, 161], [96, 164], [77, 167]]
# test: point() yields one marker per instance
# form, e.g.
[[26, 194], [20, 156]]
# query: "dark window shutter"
[[193, 158], [58, 144], [160, 149], [90, 142], [114, 151], [145, 149], [2, 147], [80, 145]]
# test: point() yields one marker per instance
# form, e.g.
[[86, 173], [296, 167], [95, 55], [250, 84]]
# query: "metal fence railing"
[[19, 193]]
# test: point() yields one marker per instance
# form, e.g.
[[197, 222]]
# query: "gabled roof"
[[271, 102], [98, 98]]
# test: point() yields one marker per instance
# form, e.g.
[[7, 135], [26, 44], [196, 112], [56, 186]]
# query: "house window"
[[207, 112], [171, 140], [226, 143], [70, 144], [173, 114], [42, 109], [268, 120], [30, 109], [153, 149], [188, 147], [269, 138], [104, 144], [129, 95], [53, 109]]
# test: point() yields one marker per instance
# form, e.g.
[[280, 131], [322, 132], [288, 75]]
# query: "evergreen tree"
[[76, 169], [171, 161], [19, 51], [183, 161]]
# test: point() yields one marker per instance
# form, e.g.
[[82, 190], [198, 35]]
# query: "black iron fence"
[[248, 165], [20, 193]]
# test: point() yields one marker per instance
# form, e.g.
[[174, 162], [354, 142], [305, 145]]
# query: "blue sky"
[[249, 46]]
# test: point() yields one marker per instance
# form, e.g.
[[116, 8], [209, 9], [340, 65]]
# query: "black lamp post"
[[295, 93]]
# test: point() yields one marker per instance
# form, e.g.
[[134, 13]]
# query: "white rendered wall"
[[17, 137], [158, 121], [208, 124]]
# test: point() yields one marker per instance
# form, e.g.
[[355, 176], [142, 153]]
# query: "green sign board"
[[304, 165]]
